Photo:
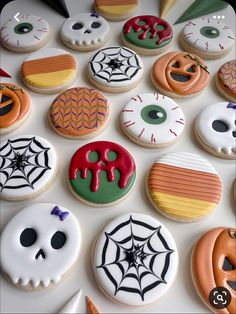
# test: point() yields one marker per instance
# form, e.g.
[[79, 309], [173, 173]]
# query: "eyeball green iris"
[[210, 32], [153, 114], [23, 28]]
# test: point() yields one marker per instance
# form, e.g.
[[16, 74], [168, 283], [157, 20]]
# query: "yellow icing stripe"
[[116, 10]]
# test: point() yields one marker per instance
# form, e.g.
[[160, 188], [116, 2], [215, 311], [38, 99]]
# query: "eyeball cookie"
[[147, 34], [152, 120], [115, 69], [207, 38], [226, 80], [101, 173], [27, 34], [183, 187], [213, 266], [14, 107], [215, 129], [39, 246], [79, 113], [135, 259], [28, 165], [86, 31]]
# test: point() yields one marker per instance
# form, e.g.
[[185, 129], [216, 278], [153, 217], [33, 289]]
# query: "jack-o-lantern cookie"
[[84, 32], [101, 173], [79, 113], [207, 38], [215, 129], [14, 107], [147, 34], [180, 74], [214, 269], [45, 240], [226, 80]]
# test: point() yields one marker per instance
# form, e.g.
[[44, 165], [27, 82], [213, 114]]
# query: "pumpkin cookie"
[[226, 80]]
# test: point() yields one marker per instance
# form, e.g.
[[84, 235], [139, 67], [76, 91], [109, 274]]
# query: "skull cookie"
[[215, 129], [44, 239], [85, 32]]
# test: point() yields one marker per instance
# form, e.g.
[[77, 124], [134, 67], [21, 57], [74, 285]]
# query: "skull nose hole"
[[87, 31], [234, 133], [40, 252]]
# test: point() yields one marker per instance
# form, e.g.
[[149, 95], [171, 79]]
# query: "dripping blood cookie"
[[45, 240], [180, 74], [147, 34], [135, 259], [101, 173], [14, 107], [215, 129], [86, 31], [50, 70], [152, 120], [115, 69], [183, 186], [27, 34], [207, 38], [79, 113], [27, 166], [213, 266], [226, 80]]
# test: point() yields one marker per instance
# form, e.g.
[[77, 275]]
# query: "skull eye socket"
[[112, 155], [77, 26], [93, 156], [95, 24], [220, 126], [58, 240], [28, 237]]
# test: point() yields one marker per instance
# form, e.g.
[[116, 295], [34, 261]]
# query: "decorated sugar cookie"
[[152, 120], [147, 34], [45, 240], [27, 34], [226, 80], [214, 269], [85, 31], [101, 173], [27, 166], [14, 107], [79, 113], [183, 186], [135, 259], [115, 69], [215, 129], [50, 70], [116, 9], [180, 74], [207, 38]]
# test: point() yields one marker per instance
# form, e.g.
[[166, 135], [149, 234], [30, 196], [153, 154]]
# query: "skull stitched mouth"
[[180, 77]]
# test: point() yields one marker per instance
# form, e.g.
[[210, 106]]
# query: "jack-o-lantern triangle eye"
[[175, 65], [191, 69], [232, 284], [227, 265]]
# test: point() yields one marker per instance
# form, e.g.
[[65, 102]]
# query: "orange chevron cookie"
[[91, 308], [79, 113], [116, 9], [183, 186]]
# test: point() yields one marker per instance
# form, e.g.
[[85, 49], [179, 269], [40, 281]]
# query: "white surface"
[[182, 297]]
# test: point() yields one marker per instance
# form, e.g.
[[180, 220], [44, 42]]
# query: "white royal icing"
[[85, 29], [56, 262], [27, 164], [72, 306], [221, 142], [27, 38], [46, 53], [156, 259], [146, 131], [222, 39], [116, 67]]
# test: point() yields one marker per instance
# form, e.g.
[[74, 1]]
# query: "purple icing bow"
[[62, 215], [95, 14], [231, 105]]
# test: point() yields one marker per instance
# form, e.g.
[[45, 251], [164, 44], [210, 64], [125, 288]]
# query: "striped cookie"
[[116, 10]]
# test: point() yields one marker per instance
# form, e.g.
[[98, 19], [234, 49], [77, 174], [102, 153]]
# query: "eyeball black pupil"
[[155, 114], [28, 237], [58, 240], [95, 25], [77, 26], [220, 126]]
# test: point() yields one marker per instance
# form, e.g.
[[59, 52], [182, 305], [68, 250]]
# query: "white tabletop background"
[[182, 297]]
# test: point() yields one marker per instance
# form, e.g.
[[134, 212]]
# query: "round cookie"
[[50, 70], [101, 173], [135, 259], [45, 240], [152, 120], [27, 166], [183, 186], [115, 69], [14, 107], [215, 129], [28, 34], [147, 34], [226, 80], [180, 75], [85, 31], [116, 10], [79, 113], [213, 265], [207, 38]]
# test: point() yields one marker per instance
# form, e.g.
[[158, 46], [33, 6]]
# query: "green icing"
[[153, 114], [210, 32], [23, 28]]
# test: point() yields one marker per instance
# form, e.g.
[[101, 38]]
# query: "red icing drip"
[[124, 163], [150, 26]]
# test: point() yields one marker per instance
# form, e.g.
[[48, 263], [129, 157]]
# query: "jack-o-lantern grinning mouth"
[[180, 77]]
